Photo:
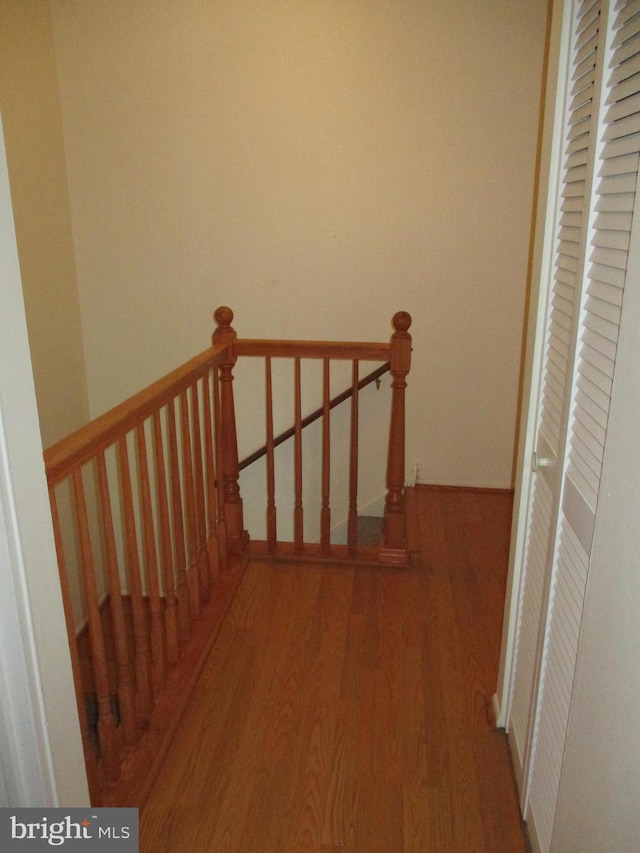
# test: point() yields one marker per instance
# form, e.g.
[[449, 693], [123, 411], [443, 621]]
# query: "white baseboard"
[[465, 484], [497, 712]]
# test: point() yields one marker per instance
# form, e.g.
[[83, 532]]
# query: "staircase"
[[149, 526]]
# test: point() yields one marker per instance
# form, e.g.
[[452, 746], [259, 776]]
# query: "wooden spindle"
[[352, 524], [210, 479], [201, 509], [126, 687], [166, 554], [325, 511], [94, 780], [394, 545], [272, 533], [191, 525], [223, 548], [142, 662], [107, 731], [298, 517], [159, 666], [237, 536], [184, 619]]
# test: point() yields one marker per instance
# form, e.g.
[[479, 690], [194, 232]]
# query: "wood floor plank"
[[344, 709]]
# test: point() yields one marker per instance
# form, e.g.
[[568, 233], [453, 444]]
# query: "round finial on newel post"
[[223, 317], [401, 321]]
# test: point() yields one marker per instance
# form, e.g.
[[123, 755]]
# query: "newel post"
[[224, 334], [394, 542]]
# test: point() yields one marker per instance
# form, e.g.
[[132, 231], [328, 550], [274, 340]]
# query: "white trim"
[[40, 746], [532, 833], [497, 713], [466, 484]]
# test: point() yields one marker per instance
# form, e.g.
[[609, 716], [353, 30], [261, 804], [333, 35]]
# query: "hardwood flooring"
[[345, 709]]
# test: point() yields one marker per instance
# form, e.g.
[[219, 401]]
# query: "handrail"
[[76, 449], [374, 376], [344, 350]]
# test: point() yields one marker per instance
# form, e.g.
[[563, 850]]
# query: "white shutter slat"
[[623, 126], [576, 158], [572, 219], [626, 27], [608, 331], [617, 184], [628, 10], [620, 165], [605, 292], [627, 86], [629, 48], [609, 257], [597, 351], [625, 69], [604, 309], [623, 105], [613, 220], [618, 240], [591, 407], [621, 145], [584, 94], [615, 201], [597, 377], [599, 397], [607, 275], [587, 444]]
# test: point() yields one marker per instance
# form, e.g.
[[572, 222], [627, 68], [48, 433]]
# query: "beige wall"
[[317, 166], [35, 154]]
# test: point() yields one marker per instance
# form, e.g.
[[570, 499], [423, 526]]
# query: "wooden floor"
[[345, 709]]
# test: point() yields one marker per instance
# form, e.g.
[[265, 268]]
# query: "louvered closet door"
[[606, 87], [577, 140]]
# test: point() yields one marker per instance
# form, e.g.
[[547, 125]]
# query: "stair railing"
[[140, 540], [149, 531], [397, 354]]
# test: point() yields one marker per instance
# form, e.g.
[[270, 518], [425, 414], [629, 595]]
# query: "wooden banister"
[[225, 335], [394, 546], [61, 458], [340, 350]]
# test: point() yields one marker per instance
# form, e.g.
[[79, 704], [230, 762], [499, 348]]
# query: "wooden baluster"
[[142, 662], [126, 687], [325, 511], [166, 554], [212, 526], [184, 619], [352, 535], [237, 536], [107, 731], [191, 524], [159, 666], [298, 517], [394, 544], [223, 548], [201, 509], [93, 773], [272, 533]]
